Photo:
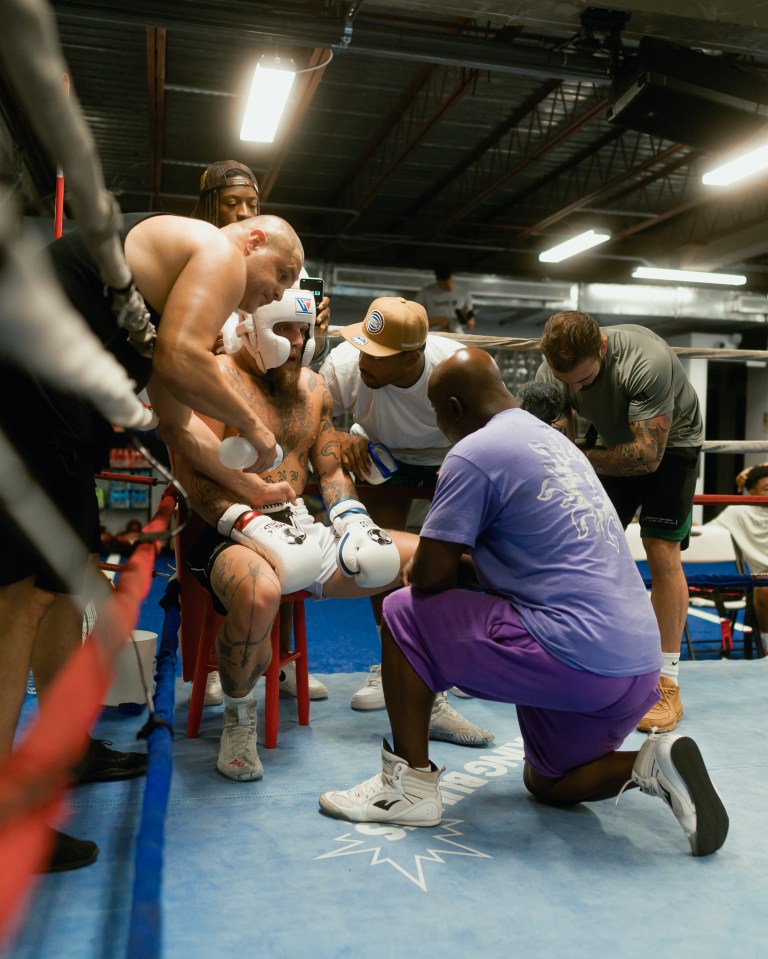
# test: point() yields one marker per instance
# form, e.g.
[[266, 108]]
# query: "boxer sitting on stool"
[[248, 558]]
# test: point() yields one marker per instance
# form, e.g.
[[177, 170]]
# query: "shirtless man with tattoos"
[[632, 387], [248, 558]]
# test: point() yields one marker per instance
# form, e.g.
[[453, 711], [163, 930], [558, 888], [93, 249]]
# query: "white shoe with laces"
[[671, 767], [370, 695], [238, 757], [398, 794], [288, 683], [213, 693], [449, 726]]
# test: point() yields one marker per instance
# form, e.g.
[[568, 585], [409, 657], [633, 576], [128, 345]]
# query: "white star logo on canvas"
[[455, 786], [449, 847]]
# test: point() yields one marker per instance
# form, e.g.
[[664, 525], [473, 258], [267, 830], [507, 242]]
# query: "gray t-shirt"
[[641, 378], [444, 303]]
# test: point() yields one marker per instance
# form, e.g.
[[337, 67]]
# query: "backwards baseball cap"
[[392, 325], [224, 173]]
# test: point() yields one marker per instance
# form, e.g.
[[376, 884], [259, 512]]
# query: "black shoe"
[[70, 853], [101, 765]]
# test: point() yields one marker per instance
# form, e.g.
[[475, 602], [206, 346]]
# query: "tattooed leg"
[[249, 589]]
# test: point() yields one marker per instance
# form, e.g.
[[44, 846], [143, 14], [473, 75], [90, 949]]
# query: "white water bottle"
[[236, 453]]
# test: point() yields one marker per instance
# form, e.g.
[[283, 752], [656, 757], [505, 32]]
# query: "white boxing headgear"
[[256, 334]]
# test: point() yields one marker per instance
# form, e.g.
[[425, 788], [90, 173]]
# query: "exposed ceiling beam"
[[156, 49], [289, 22]]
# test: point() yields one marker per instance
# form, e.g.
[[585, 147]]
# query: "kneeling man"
[[551, 633]]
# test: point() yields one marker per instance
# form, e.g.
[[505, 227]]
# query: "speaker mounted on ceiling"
[[689, 97]]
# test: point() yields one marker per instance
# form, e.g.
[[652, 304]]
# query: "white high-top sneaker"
[[317, 690], [213, 692], [371, 694], [238, 758], [671, 767], [398, 794]]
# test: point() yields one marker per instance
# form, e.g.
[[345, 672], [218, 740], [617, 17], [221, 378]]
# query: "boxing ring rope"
[[528, 345], [34, 777], [145, 927]]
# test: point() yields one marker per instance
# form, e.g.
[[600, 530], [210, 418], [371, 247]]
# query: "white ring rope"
[[527, 345], [735, 446]]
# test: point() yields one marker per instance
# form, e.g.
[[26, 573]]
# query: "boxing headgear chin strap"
[[256, 334]]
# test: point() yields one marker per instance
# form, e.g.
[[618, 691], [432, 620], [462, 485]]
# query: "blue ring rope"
[[145, 929]]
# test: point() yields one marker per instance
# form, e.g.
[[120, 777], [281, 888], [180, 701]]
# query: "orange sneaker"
[[667, 712]]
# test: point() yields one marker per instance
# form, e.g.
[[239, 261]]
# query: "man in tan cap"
[[380, 377]]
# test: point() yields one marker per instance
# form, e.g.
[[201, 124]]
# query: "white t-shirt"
[[748, 525], [439, 302], [400, 418]]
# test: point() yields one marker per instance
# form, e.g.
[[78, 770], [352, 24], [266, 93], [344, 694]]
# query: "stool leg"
[[200, 679], [272, 690], [302, 664]]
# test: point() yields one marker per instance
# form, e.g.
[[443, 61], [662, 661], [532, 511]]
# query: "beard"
[[284, 378]]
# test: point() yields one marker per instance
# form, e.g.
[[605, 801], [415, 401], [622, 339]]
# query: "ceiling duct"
[[689, 97]]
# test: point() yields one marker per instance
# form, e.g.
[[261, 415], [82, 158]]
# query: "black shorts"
[[201, 557], [665, 497], [410, 476], [68, 483], [40, 426]]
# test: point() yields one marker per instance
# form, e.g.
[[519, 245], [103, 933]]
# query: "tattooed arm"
[[325, 457], [642, 455]]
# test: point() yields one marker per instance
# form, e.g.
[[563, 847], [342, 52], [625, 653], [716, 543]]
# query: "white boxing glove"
[[365, 550], [297, 559]]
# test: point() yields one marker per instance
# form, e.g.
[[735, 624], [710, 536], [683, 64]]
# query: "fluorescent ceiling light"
[[577, 244], [738, 169], [689, 276], [266, 102]]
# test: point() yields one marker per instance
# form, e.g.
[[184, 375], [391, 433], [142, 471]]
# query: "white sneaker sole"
[[361, 705], [711, 817], [426, 813], [244, 776]]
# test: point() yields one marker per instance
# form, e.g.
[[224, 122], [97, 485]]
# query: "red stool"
[[200, 623]]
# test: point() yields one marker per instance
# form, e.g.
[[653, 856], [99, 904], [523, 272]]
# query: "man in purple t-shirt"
[[549, 631]]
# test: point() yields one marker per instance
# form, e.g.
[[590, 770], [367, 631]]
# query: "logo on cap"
[[374, 323], [359, 340]]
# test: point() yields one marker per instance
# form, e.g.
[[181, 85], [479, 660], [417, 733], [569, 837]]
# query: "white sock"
[[671, 666], [238, 700]]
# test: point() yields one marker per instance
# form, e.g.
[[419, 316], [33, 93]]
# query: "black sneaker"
[[70, 853], [101, 765]]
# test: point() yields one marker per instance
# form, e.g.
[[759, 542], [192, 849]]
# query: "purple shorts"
[[475, 641]]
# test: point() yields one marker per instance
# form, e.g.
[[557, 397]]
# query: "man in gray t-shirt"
[[632, 387], [448, 303]]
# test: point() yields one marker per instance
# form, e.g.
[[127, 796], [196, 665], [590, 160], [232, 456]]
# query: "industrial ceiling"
[[479, 133]]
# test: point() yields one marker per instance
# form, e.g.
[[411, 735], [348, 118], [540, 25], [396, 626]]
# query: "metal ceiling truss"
[[600, 175], [435, 92], [714, 218], [564, 111]]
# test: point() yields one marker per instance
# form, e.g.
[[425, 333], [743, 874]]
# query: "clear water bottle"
[[383, 463]]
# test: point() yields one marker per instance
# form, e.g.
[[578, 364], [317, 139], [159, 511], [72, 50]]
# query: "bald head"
[[274, 258], [466, 390], [277, 232]]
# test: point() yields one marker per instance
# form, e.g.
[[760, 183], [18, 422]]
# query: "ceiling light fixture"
[[689, 276], [577, 244], [270, 88], [737, 169]]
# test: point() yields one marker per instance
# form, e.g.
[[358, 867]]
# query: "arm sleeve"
[[649, 387]]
